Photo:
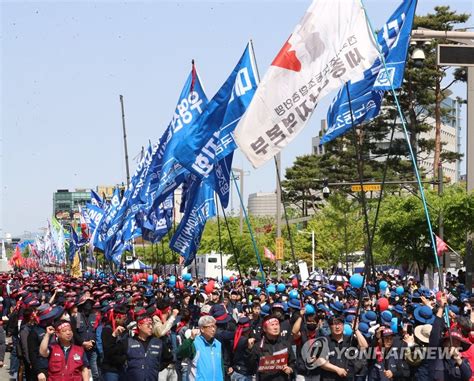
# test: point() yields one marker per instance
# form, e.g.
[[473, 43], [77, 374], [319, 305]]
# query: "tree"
[[458, 215], [245, 252], [403, 228], [302, 183], [338, 230], [426, 81]]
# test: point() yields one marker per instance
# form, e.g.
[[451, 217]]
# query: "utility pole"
[[313, 266], [125, 141], [470, 170], [440, 217], [278, 211], [460, 55]]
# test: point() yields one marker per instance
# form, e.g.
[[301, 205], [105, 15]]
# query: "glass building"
[[66, 203]]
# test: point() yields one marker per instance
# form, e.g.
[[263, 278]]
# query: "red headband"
[[46, 311], [241, 328], [271, 321], [222, 317], [144, 320], [62, 325]]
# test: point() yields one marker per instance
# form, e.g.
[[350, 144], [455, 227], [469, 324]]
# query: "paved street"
[[4, 370], [4, 266]]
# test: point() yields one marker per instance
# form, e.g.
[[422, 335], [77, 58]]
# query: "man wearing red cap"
[[112, 334], [453, 367], [388, 365]]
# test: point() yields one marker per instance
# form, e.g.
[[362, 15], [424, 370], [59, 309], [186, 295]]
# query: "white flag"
[[331, 45], [4, 253]]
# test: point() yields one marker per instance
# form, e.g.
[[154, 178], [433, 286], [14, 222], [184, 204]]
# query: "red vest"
[[58, 370]]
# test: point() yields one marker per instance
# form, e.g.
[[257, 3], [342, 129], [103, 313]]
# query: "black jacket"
[[243, 361], [115, 351], [266, 347], [393, 362], [446, 369]]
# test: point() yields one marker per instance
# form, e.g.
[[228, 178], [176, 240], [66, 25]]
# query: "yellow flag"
[[76, 266]]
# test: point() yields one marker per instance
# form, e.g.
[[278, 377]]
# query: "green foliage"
[[458, 216], [156, 254], [403, 229], [338, 230], [242, 243]]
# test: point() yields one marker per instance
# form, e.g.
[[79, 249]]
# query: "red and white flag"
[[331, 45], [441, 246], [84, 225], [268, 254]]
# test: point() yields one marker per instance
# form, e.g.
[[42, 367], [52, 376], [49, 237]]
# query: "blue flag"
[[366, 95], [93, 215], [100, 240], [121, 225], [157, 175], [158, 222], [96, 199], [200, 206], [167, 173], [73, 245], [207, 148]]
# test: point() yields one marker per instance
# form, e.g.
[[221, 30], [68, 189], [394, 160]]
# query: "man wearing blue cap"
[[304, 329], [278, 311]]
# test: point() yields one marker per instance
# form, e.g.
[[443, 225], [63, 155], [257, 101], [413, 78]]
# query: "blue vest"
[[141, 365], [208, 360], [85, 326]]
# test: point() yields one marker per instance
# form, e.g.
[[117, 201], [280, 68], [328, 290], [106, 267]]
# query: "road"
[[4, 371], [4, 266]]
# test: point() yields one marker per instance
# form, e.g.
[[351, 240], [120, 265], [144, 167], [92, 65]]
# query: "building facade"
[[262, 204], [66, 204]]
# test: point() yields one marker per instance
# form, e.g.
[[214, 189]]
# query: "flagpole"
[[219, 235], [415, 166], [259, 260], [125, 140], [282, 200], [236, 256], [360, 171]]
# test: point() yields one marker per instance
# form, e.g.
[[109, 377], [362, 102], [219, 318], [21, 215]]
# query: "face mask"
[[311, 326]]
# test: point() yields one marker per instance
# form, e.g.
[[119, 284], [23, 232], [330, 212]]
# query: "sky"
[[64, 64]]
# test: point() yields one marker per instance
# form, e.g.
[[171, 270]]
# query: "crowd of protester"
[[123, 327]]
